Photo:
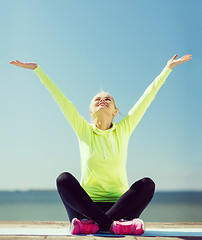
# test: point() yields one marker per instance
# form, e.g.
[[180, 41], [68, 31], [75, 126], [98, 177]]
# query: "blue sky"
[[119, 46]]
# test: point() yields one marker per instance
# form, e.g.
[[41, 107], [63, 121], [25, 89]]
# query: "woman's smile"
[[102, 104]]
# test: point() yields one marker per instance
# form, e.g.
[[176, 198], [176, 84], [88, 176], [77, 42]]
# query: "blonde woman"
[[102, 200]]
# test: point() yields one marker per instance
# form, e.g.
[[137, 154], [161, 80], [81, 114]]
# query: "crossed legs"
[[78, 203]]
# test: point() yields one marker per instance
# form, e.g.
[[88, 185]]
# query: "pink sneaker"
[[133, 227], [83, 226]]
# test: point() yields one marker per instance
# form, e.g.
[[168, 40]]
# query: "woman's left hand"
[[174, 62]]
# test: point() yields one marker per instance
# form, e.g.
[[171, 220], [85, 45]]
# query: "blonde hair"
[[101, 92]]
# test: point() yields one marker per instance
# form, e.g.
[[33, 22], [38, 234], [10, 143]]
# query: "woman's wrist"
[[34, 67], [169, 66]]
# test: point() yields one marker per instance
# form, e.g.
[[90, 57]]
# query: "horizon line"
[[55, 190]]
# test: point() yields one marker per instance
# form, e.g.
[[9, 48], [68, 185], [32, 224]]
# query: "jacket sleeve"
[[78, 123], [138, 110]]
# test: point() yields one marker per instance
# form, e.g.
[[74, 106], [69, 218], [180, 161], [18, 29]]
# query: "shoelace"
[[86, 228], [125, 229]]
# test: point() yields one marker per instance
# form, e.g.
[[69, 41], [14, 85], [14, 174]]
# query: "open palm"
[[174, 62], [24, 65]]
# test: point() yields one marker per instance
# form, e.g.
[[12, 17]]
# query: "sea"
[[47, 206]]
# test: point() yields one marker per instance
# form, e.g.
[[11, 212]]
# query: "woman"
[[103, 200]]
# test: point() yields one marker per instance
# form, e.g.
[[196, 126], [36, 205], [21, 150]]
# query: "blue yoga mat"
[[151, 232]]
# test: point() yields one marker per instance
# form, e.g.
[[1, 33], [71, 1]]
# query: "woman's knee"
[[63, 179], [145, 183], [149, 184]]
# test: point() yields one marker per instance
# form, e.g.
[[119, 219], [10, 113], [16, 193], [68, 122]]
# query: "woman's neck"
[[103, 123]]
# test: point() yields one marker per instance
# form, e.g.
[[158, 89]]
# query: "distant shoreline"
[[54, 190], [45, 205]]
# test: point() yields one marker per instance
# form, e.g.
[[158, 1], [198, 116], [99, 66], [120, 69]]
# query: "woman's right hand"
[[24, 65]]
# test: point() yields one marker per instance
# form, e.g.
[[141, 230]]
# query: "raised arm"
[[78, 123], [138, 110]]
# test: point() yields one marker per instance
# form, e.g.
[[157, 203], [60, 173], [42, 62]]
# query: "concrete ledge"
[[65, 225]]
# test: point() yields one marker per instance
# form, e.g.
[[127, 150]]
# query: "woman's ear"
[[115, 112], [91, 113]]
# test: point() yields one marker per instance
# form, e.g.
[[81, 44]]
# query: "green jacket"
[[104, 153]]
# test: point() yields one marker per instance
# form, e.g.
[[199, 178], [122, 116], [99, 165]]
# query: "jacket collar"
[[103, 132]]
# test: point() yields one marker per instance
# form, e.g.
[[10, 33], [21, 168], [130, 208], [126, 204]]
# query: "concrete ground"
[[37, 224]]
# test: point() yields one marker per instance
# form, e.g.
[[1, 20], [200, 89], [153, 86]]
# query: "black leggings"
[[78, 203]]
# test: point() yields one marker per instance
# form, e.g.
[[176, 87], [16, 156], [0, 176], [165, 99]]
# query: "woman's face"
[[103, 103]]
